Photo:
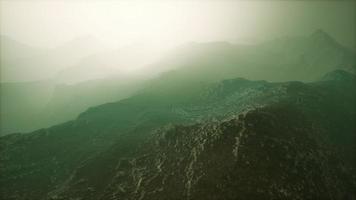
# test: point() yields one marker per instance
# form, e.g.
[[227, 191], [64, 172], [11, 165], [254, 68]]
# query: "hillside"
[[308, 124], [100, 77], [268, 153], [304, 58], [28, 106]]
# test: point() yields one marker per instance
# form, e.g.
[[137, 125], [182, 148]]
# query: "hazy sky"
[[50, 23]]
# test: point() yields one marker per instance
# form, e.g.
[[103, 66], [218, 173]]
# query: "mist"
[[84, 28], [51, 23], [58, 58], [166, 99]]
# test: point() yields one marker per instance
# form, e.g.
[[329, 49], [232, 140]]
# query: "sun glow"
[[124, 22], [109, 28]]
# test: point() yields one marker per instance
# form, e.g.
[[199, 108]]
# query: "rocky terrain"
[[267, 153], [233, 139]]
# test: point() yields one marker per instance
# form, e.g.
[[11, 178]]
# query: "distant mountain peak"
[[321, 36], [320, 33], [339, 75]]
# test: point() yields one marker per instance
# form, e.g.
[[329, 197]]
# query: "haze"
[[58, 58], [51, 23]]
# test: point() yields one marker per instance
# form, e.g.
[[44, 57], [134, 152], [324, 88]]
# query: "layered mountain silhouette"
[[24, 63], [94, 81], [28, 106], [289, 58], [228, 139], [81, 81], [193, 130], [12, 49]]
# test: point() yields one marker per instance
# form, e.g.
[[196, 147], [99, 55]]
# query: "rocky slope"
[[268, 153], [232, 139]]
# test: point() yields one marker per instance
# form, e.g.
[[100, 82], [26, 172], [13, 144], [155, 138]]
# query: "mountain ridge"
[[64, 156]]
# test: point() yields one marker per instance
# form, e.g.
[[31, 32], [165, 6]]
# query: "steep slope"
[[66, 161], [299, 144], [268, 153]]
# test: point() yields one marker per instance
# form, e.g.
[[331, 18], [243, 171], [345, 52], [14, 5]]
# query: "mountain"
[[20, 104], [221, 140], [86, 81], [304, 58], [29, 106], [81, 76], [267, 153], [310, 57], [24, 67], [12, 49], [68, 101], [122, 61], [339, 75]]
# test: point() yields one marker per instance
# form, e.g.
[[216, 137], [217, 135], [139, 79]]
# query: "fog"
[[86, 28], [51, 23], [58, 58]]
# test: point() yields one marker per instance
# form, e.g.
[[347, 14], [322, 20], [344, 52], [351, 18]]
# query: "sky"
[[50, 23]]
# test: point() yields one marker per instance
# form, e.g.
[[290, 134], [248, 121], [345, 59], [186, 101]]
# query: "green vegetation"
[[68, 160], [177, 100], [184, 71]]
